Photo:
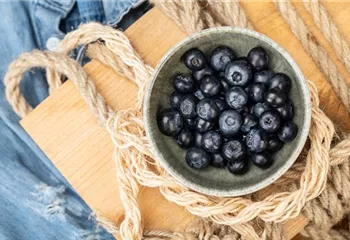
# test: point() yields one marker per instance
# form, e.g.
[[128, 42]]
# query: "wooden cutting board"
[[70, 136]]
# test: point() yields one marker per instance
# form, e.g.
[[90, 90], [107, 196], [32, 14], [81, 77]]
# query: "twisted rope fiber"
[[317, 52], [137, 174], [229, 13], [330, 30]]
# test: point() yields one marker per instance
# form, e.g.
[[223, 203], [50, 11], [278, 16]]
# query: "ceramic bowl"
[[213, 181]]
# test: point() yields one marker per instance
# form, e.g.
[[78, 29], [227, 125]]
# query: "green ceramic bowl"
[[213, 181]]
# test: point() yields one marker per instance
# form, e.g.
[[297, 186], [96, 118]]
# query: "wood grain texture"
[[70, 136]]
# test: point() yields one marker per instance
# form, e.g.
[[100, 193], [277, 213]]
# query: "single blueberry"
[[234, 150], [287, 132], [249, 121], [236, 98], [286, 110], [238, 167], [218, 161], [197, 158], [210, 86], [259, 108], [230, 121], [256, 92], [203, 126], [183, 83], [212, 141], [199, 75], [190, 123], [256, 140], [280, 81], [262, 160], [224, 86], [185, 138], [194, 59], [176, 99], [207, 109], [221, 104], [239, 73], [274, 144], [220, 57], [258, 58], [263, 77], [169, 122], [270, 121], [275, 97], [198, 139], [188, 106], [199, 94]]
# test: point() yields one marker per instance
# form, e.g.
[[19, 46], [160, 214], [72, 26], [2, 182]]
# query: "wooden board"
[[70, 136]]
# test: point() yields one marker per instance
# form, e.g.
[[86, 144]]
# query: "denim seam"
[[114, 22]]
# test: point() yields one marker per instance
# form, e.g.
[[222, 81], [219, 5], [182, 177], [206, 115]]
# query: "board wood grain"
[[68, 133]]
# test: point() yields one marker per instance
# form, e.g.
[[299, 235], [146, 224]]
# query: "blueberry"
[[244, 111], [256, 140], [204, 126], [220, 103], [280, 81], [176, 99], [275, 97], [224, 85], [218, 161], [262, 160], [249, 121], [212, 141], [197, 158], [198, 139], [199, 94], [238, 73], [210, 86], [256, 92], [286, 110], [263, 77], [207, 109], [190, 123], [230, 121], [194, 59], [185, 138], [270, 121], [258, 58], [287, 132], [274, 144], [220, 57], [183, 83], [188, 106], [238, 167], [259, 108], [236, 97], [234, 150], [169, 122], [199, 75]]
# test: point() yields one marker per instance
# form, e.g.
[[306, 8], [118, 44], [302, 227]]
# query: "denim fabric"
[[36, 202]]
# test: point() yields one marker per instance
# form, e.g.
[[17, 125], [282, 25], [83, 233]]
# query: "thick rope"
[[61, 64], [229, 13], [317, 52], [330, 30]]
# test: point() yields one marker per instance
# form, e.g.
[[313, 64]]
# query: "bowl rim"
[[294, 155]]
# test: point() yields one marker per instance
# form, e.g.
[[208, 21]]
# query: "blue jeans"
[[36, 202]]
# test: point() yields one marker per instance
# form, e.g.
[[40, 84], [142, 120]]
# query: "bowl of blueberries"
[[227, 111]]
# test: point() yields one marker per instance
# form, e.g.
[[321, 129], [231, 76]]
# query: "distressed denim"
[[36, 202]]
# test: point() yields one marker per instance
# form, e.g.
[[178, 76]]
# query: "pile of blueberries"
[[230, 111]]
